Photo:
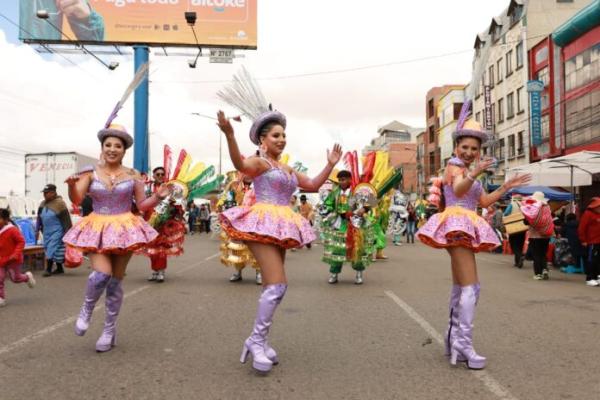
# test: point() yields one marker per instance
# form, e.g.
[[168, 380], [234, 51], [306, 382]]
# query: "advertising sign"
[[489, 118], [219, 23], [535, 89]]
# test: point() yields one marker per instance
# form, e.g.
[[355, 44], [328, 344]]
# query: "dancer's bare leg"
[[464, 267], [271, 259], [119, 265]]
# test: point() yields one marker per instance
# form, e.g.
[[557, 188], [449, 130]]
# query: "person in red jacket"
[[589, 236], [11, 254]]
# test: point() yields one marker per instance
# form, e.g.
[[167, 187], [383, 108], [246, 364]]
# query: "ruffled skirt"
[[169, 242], [458, 226], [267, 223], [113, 234]]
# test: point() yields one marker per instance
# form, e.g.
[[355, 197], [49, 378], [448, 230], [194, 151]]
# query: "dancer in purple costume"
[[463, 233], [112, 232], [269, 226]]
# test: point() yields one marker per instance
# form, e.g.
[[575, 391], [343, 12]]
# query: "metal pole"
[[141, 140], [572, 191]]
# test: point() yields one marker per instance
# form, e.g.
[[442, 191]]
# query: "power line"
[[45, 46], [352, 69]]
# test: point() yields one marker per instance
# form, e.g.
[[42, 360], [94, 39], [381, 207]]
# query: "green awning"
[[582, 22]]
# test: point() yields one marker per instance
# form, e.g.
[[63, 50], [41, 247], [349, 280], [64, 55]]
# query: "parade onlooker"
[[569, 230], [193, 214], [516, 239], [539, 241], [411, 225], [204, 215], [589, 235], [11, 254], [53, 221], [306, 210]]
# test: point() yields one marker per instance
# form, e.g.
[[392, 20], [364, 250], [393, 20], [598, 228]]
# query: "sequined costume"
[[112, 227], [270, 220], [171, 234], [235, 253], [459, 224], [335, 233]]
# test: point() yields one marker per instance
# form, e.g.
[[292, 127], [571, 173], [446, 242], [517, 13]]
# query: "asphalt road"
[[382, 340]]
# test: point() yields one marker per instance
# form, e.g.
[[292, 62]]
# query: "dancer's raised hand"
[[516, 181], [224, 124], [334, 156]]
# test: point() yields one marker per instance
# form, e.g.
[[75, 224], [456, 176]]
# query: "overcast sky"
[[49, 104]]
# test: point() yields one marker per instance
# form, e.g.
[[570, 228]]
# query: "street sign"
[[223, 56], [535, 88]]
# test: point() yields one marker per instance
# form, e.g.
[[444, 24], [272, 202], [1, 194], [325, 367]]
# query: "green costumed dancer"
[[338, 229], [381, 220]]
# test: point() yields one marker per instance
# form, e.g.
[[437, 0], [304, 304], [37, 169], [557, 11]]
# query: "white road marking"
[[67, 321], [490, 383]]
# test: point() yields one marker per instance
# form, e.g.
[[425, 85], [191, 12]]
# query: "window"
[[431, 134], [500, 110], [519, 54], [520, 149], [509, 63], [491, 76], [511, 146], [457, 109], [430, 109], [510, 111], [516, 15], [500, 150], [520, 100], [478, 117], [499, 70], [544, 76], [583, 68], [432, 163], [545, 127], [581, 116]]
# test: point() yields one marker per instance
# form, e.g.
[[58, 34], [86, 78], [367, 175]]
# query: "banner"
[[489, 116], [219, 23], [535, 89]]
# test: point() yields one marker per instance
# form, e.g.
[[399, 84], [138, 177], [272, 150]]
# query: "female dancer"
[[269, 227], [112, 232], [463, 233]]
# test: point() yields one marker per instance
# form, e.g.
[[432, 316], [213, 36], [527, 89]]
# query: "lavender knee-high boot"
[[114, 299], [452, 318], [463, 344], [96, 284], [267, 303]]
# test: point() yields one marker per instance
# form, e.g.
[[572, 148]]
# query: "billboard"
[[220, 23]]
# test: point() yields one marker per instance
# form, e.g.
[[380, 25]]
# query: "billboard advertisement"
[[219, 23]]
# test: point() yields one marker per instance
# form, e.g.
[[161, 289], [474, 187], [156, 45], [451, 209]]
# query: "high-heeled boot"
[[114, 300], [463, 343], [452, 318], [96, 284], [267, 303], [269, 351]]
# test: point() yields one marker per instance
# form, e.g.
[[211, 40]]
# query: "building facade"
[[448, 111], [396, 138], [511, 51]]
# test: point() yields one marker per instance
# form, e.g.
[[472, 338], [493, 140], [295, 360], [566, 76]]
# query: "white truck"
[[44, 168]]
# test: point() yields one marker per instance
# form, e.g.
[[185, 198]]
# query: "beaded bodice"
[[117, 200], [468, 200], [275, 186]]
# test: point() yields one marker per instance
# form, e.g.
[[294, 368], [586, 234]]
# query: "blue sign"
[[535, 89]]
